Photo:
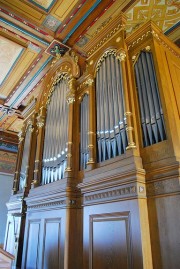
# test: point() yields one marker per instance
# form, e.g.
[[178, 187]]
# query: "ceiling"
[[29, 30]]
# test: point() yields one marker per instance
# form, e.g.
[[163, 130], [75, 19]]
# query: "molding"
[[123, 192], [29, 109], [163, 187], [46, 205], [150, 30], [117, 24], [106, 38]]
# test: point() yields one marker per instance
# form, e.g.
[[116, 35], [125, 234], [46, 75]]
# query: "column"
[[40, 141], [70, 97], [91, 133], [21, 136], [121, 55], [31, 149]]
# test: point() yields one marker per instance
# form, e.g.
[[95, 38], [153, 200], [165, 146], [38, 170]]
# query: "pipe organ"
[[111, 122], [56, 134], [104, 174]]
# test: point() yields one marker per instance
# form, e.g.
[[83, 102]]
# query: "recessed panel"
[[110, 242], [33, 245], [9, 54], [52, 244]]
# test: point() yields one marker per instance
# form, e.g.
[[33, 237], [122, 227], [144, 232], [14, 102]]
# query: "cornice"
[[147, 31], [108, 32]]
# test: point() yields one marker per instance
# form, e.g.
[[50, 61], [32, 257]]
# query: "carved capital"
[[70, 99], [89, 82], [21, 136], [121, 56], [30, 126], [40, 121]]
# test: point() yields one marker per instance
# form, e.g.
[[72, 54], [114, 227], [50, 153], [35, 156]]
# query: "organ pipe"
[[84, 126], [56, 131], [111, 124], [152, 119]]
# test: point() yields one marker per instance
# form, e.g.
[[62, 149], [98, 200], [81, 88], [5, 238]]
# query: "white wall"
[[6, 183]]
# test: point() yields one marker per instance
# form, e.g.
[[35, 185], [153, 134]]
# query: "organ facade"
[[97, 175]]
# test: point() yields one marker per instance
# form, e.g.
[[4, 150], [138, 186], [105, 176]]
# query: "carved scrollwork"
[[40, 120], [20, 136], [108, 52], [70, 96], [74, 57], [89, 82], [57, 79]]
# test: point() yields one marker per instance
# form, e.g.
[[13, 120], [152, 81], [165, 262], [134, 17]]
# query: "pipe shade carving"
[[152, 119], [56, 134], [111, 123]]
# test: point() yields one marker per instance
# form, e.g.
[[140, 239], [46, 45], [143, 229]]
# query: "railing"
[[5, 259]]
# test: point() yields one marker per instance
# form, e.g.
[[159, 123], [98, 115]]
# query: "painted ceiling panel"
[[43, 4], [22, 65], [164, 13], [29, 85], [24, 9], [10, 52], [62, 8]]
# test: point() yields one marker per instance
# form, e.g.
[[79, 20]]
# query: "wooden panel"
[[61, 10], [52, 244], [175, 77], [9, 244], [33, 245], [110, 241], [24, 9]]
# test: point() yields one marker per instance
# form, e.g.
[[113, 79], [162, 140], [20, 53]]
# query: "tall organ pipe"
[[84, 127], [55, 142], [152, 120], [111, 125]]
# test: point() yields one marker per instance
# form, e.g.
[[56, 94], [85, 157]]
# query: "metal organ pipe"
[[55, 142], [111, 126], [152, 119], [84, 127]]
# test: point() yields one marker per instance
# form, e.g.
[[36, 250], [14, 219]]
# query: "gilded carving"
[[101, 27], [89, 82], [108, 36], [155, 35], [21, 137], [108, 52], [70, 96], [121, 56], [40, 121], [74, 57], [56, 80]]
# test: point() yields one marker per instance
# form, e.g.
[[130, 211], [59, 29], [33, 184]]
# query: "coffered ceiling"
[[30, 29]]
